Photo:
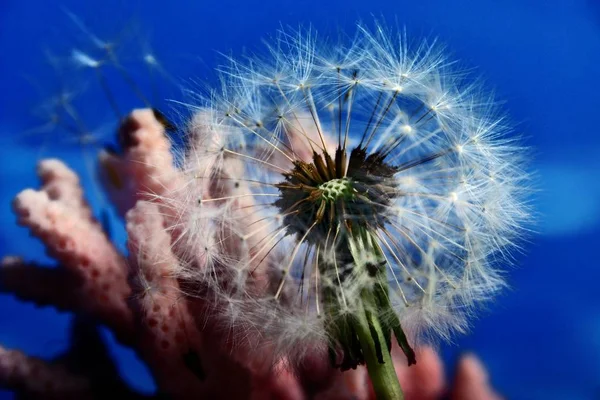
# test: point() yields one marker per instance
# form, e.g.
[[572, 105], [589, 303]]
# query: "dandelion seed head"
[[318, 173]]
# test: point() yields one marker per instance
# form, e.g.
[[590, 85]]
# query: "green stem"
[[376, 353]]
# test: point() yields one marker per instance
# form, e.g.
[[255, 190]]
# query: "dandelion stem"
[[375, 350]]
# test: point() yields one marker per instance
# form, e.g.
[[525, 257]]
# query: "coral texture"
[[148, 308]]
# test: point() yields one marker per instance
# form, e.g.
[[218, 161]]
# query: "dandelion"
[[340, 198]]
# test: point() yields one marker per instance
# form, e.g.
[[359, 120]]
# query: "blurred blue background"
[[540, 340]]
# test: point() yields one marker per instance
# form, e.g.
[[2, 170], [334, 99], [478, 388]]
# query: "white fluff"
[[455, 218]]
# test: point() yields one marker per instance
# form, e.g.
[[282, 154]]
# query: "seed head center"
[[335, 189]]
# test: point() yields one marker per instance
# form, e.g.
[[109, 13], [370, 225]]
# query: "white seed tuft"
[[440, 221]]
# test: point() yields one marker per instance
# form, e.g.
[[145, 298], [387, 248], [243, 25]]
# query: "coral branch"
[[38, 378], [145, 168], [182, 358], [471, 381], [424, 380], [170, 342], [53, 286], [55, 215], [62, 184]]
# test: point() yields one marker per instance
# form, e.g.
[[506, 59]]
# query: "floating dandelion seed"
[[340, 198]]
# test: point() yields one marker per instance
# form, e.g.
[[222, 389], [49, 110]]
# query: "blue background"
[[541, 339]]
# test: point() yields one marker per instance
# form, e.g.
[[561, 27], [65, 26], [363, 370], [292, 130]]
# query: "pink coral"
[[141, 300]]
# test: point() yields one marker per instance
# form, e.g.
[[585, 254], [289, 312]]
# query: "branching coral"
[[143, 303]]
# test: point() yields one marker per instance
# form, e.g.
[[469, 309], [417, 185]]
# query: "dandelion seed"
[[84, 59], [351, 193]]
